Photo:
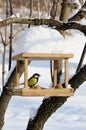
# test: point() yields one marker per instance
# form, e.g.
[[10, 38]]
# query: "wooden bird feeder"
[[56, 90]]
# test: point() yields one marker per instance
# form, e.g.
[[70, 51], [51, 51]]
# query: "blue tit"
[[33, 80]]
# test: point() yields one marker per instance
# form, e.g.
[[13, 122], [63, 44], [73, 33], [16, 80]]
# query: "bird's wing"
[[32, 81]]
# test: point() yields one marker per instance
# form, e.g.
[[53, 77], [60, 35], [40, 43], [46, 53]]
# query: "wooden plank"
[[66, 72], [43, 92], [26, 73], [41, 56], [55, 74], [47, 55], [17, 91], [17, 73], [18, 57]]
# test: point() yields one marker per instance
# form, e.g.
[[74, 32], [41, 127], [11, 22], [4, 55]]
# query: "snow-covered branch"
[[73, 25], [51, 22], [16, 20], [80, 14]]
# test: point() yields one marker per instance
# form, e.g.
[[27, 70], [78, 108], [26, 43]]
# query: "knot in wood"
[[66, 4]]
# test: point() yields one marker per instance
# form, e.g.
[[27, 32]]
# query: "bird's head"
[[36, 75]]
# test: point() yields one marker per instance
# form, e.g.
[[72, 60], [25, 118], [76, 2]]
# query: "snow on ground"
[[72, 115]]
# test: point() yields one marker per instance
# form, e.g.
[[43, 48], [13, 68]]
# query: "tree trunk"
[[5, 98], [51, 104], [65, 12], [31, 8], [58, 10], [38, 9], [54, 9], [3, 65], [11, 33], [66, 9]]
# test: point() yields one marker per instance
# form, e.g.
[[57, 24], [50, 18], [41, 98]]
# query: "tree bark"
[[74, 25], [38, 9], [81, 59], [66, 9], [5, 97], [10, 37], [51, 22], [54, 9], [80, 14], [50, 105], [65, 12], [31, 8]]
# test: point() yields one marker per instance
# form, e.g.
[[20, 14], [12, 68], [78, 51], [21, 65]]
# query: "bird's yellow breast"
[[32, 81]]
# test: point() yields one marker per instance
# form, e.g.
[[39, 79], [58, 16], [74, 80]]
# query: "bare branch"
[[74, 25], [3, 42], [51, 22], [16, 20]]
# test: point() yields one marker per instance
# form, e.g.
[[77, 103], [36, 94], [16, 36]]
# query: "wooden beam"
[[17, 73], [55, 74], [41, 56], [26, 73], [66, 72], [43, 92]]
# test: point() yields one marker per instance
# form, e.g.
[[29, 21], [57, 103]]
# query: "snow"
[[83, 21], [35, 40], [74, 11], [17, 15], [41, 39], [77, 2], [72, 115], [33, 112], [0, 19]]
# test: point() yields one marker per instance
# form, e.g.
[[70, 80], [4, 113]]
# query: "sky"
[[43, 39]]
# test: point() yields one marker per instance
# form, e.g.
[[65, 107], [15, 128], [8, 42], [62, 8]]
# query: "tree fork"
[[50, 105]]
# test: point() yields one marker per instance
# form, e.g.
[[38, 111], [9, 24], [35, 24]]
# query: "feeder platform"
[[40, 91]]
